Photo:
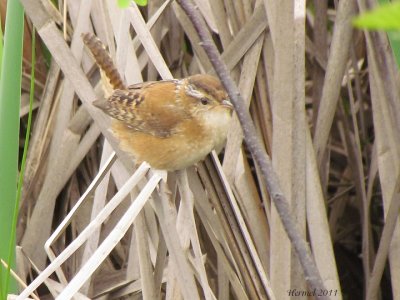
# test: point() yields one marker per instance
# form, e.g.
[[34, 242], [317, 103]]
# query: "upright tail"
[[103, 60]]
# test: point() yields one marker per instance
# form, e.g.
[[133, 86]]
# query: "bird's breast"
[[190, 144]]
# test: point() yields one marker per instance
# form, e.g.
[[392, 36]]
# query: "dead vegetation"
[[325, 101]]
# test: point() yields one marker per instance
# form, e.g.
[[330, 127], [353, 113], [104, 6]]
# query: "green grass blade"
[[385, 17], [26, 144], [394, 38], [125, 3], [10, 97], [1, 44]]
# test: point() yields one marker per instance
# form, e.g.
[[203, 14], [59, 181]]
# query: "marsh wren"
[[171, 124]]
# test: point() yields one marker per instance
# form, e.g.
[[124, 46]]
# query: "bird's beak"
[[227, 104]]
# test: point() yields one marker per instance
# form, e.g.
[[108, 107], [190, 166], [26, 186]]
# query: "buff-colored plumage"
[[170, 124]]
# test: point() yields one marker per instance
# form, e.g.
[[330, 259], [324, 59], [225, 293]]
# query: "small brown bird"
[[171, 124]]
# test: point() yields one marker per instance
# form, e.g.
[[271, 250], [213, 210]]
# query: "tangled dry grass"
[[325, 102]]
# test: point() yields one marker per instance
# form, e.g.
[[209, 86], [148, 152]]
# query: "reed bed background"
[[325, 101]]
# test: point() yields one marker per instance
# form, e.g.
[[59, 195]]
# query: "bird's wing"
[[150, 107]]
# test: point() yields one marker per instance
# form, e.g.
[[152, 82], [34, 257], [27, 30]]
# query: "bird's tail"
[[103, 60]]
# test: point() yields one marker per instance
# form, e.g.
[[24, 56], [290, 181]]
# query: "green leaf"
[[1, 45], [10, 97], [385, 17], [141, 2], [394, 38], [125, 3]]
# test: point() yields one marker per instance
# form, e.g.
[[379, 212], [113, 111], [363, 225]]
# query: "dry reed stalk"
[[218, 239]]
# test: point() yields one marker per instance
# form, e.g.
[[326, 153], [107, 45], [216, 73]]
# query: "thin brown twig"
[[310, 270]]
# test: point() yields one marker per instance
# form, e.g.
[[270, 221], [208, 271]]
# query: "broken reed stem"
[[310, 270]]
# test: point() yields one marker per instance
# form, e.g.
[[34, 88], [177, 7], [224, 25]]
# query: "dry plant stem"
[[86, 233], [310, 270], [63, 144], [146, 270], [112, 239], [38, 145], [321, 46], [99, 202], [384, 244], [299, 141], [227, 222], [186, 206], [36, 149], [254, 257], [355, 155], [246, 84], [238, 234], [212, 224], [339, 53], [165, 210], [48, 282], [67, 220], [384, 95], [159, 266], [17, 278], [385, 99]]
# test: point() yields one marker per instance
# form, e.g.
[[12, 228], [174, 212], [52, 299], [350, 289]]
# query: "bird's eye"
[[204, 101]]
